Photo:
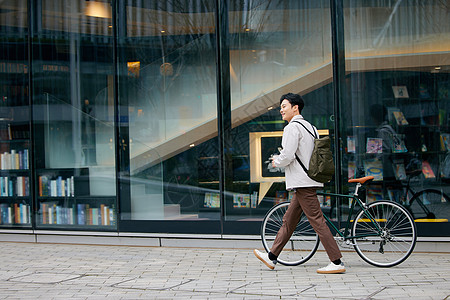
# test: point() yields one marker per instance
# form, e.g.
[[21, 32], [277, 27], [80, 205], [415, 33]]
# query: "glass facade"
[[72, 98], [270, 57], [395, 112], [168, 110], [160, 116]]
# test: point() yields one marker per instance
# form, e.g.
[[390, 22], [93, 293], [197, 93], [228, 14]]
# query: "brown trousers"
[[305, 200]]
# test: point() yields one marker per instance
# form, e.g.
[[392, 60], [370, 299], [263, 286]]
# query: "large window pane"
[[276, 47], [73, 111], [15, 196], [167, 88], [398, 106]]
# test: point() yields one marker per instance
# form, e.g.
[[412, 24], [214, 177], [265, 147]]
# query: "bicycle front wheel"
[[384, 234], [302, 244], [430, 204]]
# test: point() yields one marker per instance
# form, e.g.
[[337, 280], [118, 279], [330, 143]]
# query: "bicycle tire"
[[301, 246], [430, 204], [397, 239]]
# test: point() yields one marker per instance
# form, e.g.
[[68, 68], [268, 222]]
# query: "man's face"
[[288, 111]]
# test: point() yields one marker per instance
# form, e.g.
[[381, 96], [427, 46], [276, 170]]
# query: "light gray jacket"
[[296, 140]]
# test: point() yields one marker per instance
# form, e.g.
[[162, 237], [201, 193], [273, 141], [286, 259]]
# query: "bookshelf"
[[418, 111], [64, 201], [15, 198]]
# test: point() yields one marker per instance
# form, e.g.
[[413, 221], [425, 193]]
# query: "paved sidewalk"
[[57, 271]]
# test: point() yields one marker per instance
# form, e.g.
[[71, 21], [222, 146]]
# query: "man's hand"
[[272, 159]]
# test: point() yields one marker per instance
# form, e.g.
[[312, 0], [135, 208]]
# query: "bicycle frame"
[[355, 199], [383, 233]]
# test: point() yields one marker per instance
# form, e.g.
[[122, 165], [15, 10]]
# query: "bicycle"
[[427, 203], [383, 233]]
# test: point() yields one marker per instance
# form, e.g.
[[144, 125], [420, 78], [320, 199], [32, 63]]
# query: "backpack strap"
[[301, 164], [313, 135]]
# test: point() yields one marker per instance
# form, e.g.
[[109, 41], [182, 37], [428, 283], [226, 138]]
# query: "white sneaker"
[[264, 257], [332, 269]]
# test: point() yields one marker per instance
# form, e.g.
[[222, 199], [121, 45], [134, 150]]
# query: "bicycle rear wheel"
[[430, 204], [388, 241], [302, 244]]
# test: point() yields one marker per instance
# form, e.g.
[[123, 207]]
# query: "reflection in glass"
[[73, 113], [167, 95], [398, 82], [275, 47], [15, 147]]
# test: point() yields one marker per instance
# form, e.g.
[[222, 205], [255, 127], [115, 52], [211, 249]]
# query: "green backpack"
[[321, 164]]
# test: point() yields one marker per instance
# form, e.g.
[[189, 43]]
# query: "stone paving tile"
[[55, 271]]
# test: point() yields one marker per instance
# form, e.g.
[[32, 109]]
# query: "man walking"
[[296, 140]]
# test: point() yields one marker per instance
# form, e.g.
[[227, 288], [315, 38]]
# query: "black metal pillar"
[[223, 100], [338, 56]]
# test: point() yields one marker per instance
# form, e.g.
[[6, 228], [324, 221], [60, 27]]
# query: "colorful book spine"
[[14, 160], [10, 188], [81, 214], [77, 214], [58, 187]]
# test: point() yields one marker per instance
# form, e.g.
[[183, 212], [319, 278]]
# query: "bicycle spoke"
[[303, 242], [395, 234]]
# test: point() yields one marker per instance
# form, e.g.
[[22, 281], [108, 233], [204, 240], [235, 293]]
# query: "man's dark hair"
[[294, 99]]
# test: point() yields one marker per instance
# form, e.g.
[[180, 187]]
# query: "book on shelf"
[[373, 167], [254, 199], [16, 213], [291, 195], [399, 171], [374, 145], [58, 187], [211, 200], [445, 167], [280, 196], [423, 91], [6, 186], [427, 170], [241, 200], [14, 160], [351, 144], [398, 143], [400, 91], [6, 212], [445, 141], [351, 169], [53, 189], [374, 193], [79, 214], [324, 200], [400, 118], [16, 132], [396, 116]]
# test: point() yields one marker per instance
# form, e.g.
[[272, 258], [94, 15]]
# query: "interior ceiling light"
[[98, 9]]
